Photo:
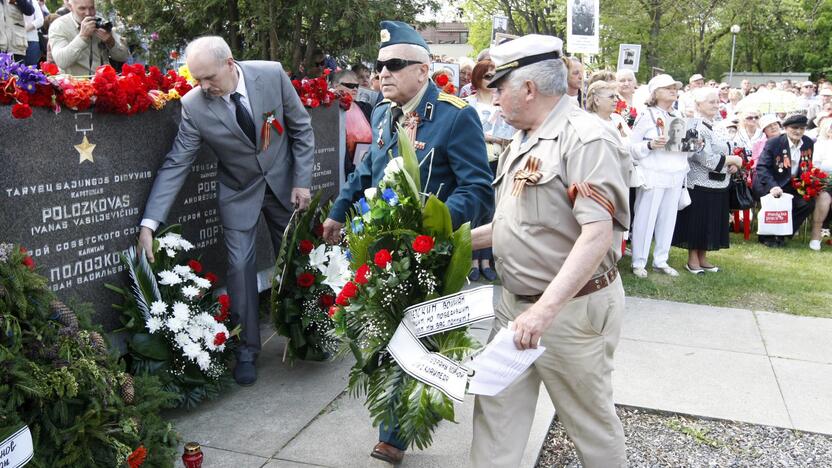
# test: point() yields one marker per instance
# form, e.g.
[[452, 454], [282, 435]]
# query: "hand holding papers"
[[500, 364]]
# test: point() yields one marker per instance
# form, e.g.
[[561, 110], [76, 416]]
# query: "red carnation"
[[220, 338], [306, 246], [423, 244], [362, 275], [350, 290], [318, 230], [49, 68], [620, 106], [225, 302], [222, 316], [136, 459], [382, 258], [633, 112], [306, 280], [195, 265], [442, 80], [211, 277], [21, 111], [342, 300], [327, 300], [332, 311]]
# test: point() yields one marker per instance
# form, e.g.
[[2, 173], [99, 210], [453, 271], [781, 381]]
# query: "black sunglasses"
[[349, 85], [395, 64]]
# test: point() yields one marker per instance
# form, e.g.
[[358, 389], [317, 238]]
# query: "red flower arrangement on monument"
[[812, 181]]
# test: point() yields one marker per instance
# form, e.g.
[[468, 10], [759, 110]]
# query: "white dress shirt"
[[794, 150]]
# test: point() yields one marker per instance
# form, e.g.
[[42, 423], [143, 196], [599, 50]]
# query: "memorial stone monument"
[[74, 184]]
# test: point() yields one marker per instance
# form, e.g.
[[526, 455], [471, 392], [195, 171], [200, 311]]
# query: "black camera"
[[101, 23]]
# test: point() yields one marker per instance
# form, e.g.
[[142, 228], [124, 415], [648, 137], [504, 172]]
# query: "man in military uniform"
[[561, 195], [449, 144]]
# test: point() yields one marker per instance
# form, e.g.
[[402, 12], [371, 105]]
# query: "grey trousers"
[[242, 274]]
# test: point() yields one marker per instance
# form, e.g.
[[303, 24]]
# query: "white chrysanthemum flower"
[[370, 193], [203, 360], [192, 350], [205, 320], [185, 245], [158, 308], [190, 292], [175, 324], [201, 283], [318, 257], [181, 270], [169, 278], [182, 339], [154, 324], [181, 311], [171, 253]]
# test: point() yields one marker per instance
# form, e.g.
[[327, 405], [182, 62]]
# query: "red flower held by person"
[[318, 230], [382, 258], [362, 274], [423, 244], [442, 80], [620, 106], [306, 246], [211, 277], [195, 266], [306, 280], [136, 459], [220, 338], [21, 111]]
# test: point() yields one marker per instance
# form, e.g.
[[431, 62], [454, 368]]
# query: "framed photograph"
[[582, 26], [501, 38], [629, 56], [452, 69], [499, 25]]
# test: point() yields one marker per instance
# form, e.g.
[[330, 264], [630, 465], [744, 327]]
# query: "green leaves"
[[150, 346], [411, 164], [460, 263], [436, 218]]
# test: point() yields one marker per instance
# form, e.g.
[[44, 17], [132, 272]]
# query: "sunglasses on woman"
[[349, 85], [395, 64]]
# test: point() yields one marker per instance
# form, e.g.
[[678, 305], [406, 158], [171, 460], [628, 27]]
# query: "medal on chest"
[[380, 141]]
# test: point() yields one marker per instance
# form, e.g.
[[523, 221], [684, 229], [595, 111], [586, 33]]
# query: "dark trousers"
[[242, 274], [801, 209], [32, 53], [391, 436]]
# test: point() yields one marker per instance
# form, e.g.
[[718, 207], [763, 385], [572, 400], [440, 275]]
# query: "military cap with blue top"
[[523, 51], [396, 32]]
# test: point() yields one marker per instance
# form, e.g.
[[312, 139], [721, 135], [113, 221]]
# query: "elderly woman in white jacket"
[[663, 172]]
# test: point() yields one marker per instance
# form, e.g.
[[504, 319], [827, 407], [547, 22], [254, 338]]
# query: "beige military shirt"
[[534, 231]]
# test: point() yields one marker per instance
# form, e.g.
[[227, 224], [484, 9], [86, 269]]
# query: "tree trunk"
[[234, 38], [274, 53], [655, 29]]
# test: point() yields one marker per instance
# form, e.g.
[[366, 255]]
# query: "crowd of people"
[[680, 195]]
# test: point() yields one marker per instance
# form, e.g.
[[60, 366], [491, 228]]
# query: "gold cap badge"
[[385, 35]]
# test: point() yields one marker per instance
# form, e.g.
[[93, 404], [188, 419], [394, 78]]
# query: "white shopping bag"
[[775, 218]]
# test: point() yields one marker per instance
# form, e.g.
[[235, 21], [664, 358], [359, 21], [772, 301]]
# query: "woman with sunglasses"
[[749, 130], [481, 75], [346, 81]]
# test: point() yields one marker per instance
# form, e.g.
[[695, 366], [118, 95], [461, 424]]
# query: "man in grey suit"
[[235, 102]]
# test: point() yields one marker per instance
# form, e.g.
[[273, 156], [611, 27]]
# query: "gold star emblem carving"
[[85, 150]]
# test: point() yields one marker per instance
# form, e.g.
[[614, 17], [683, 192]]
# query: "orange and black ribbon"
[[585, 189], [530, 175], [265, 133]]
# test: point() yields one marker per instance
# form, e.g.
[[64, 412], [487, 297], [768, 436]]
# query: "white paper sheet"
[[500, 364]]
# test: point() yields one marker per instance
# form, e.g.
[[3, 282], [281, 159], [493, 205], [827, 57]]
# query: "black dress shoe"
[[489, 274], [386, 452], [245, 374]]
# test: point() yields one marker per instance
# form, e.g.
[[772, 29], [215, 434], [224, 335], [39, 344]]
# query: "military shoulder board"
[[452, 100]]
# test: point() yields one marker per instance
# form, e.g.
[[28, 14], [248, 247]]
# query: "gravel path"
[[661, 439]]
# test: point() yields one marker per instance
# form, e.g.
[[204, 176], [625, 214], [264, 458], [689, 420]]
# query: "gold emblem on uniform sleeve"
[[529, 175]]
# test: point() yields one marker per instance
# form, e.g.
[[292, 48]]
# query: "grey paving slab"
[[807, 390], [791, 336], [342, 437], [215, 458], [277, 463], [713, 383], [260, 419], [692, 325]]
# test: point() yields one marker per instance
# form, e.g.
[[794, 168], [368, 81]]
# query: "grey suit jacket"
[[244, 171]]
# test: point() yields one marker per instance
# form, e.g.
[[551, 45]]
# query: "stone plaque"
[[73, 188]]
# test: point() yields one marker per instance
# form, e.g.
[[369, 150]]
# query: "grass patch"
[[793, 279]]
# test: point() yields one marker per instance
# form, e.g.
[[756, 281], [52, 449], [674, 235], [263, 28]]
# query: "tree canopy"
[[684, 37]]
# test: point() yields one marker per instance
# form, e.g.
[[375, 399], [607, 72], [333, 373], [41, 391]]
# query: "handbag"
[[739, 194], [684, 199]]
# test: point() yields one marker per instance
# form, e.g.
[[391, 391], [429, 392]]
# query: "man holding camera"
[[81, 42]]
